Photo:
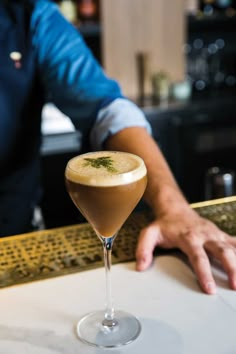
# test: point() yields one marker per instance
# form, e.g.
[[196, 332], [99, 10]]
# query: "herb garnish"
[[104, 161]]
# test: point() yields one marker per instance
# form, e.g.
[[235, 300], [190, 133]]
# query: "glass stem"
[[109, 320]]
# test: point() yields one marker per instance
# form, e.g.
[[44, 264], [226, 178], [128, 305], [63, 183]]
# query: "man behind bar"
[[43, 57]]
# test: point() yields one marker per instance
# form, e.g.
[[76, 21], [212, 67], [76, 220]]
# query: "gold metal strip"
[[213, 202], [49, 253]]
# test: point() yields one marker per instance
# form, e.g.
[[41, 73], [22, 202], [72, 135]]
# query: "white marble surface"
[[39, 317]]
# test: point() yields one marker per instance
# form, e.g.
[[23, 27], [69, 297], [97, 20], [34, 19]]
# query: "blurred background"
[[177, 61]]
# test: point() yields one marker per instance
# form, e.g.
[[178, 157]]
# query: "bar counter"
[[49, 279]]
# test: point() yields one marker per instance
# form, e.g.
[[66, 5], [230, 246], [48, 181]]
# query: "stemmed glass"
[[106, 186]]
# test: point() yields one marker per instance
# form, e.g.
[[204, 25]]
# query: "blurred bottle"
[[88, 11], [217, 7], [68, 9], [219, 183], [224, 7], [207, 7]]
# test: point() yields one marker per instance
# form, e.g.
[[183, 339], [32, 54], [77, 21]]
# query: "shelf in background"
[[211, 22]]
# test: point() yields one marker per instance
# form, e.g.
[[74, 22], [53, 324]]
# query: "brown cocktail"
[[106, 186], [107, 198]]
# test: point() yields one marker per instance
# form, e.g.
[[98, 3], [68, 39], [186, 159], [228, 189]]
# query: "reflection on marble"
[[156, 336]]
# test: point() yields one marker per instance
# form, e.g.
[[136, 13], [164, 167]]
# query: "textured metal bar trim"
[[50, 253]]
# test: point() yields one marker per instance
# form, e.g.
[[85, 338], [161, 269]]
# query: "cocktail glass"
[[106, 186]]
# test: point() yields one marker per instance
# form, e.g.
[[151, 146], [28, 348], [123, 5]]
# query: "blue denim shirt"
[[73, 79]]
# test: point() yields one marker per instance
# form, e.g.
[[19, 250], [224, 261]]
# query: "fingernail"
[[233, 284], [210, 287], [140, 263]]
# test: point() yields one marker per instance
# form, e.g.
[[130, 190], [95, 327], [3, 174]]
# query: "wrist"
[[168, 200]]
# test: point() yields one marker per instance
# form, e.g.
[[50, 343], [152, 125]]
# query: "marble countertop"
[[176, 317]]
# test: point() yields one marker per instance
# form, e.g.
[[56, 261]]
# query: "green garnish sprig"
[[104, 161]]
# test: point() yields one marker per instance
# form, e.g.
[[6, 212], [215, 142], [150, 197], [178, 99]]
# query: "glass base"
[[90, 330]]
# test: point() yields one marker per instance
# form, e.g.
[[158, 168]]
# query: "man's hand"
[[197, 237], [176, 224]]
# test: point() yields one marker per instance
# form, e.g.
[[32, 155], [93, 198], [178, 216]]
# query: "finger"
[[202, 268], [225, 253], [148, 240]]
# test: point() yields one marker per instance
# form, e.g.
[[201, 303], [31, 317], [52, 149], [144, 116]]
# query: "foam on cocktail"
[[105, 168]]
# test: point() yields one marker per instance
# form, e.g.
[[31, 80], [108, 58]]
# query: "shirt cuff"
[[118, 115]]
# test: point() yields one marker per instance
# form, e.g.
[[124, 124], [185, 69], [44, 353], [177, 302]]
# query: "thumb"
[[148, 240]]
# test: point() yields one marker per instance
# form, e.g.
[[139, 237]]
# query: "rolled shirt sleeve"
[[75, 82], [119, 114]]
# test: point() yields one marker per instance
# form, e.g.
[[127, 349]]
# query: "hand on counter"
[[197, 237], [176, 225]]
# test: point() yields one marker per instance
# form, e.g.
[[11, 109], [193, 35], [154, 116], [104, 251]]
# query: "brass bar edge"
[[65, 250], [213, 202]]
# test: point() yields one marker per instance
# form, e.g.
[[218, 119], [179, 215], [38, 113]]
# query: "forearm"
[[176, 225], [162, 193]]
